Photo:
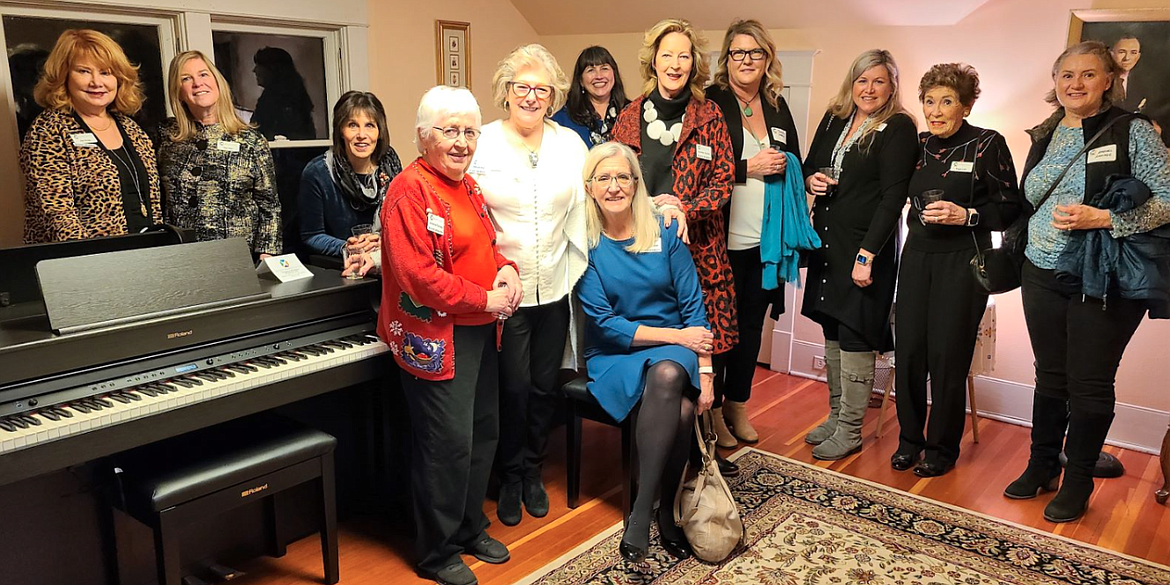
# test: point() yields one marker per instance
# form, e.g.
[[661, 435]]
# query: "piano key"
[[104, 402], [147, 391], [16, 420], [79, 407], [120, 398], [32, 420], [4, 424], [61, 412], [49, 414]]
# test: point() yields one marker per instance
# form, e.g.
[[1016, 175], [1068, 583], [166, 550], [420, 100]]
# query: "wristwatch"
[[862, 260], [972, 217]]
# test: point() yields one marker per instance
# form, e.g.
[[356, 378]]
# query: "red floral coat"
[[420, 293], [704, 187]]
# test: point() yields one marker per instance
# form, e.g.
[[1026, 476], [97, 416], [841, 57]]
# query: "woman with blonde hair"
[[686, 155], [89, 169], [647, 337], [747, 88], [217, 172], [859, 166]]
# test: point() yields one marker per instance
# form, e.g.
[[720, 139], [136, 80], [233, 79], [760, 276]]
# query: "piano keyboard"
[[218, 378]]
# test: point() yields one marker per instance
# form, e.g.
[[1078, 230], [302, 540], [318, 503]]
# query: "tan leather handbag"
[[704, 506]]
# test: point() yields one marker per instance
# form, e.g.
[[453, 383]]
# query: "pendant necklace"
[[747, 106], [129, 166]]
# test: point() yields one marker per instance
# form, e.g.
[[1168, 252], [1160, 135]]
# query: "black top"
[[778, 118], [974, 167], [135, 189], [658, 158], [862, 212]]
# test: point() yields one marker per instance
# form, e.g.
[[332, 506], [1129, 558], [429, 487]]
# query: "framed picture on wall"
[[453, 53], [1139, 41]]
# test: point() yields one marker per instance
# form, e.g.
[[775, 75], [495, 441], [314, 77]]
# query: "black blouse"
[[974, 168]]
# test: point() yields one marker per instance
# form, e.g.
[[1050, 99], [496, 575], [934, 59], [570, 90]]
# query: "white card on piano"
[[285, 268]]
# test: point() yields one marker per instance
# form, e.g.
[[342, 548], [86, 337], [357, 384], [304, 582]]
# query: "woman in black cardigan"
[[868, 142], [939, 303], [747, 86]]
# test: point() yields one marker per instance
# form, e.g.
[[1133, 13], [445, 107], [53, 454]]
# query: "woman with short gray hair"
[[445, 292]]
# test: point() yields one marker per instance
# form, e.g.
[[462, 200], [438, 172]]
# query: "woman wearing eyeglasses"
[[216, 171], [747, 88], [528, 167]]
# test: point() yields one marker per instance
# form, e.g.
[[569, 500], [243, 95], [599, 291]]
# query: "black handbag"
[[997, 270]]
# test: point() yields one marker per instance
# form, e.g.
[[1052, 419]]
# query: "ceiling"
[[561, 17]]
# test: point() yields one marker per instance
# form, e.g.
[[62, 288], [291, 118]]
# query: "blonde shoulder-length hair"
[[645, 218], [52, 90], [773, 82], [225, 112], [700, 69], [842, 105], [532, 56]]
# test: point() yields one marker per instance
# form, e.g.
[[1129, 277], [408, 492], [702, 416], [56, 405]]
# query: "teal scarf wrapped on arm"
[[787, 228]]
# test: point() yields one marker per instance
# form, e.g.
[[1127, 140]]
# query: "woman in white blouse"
[[529, 168]]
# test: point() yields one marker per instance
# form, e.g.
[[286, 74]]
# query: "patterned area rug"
[[809, 526]]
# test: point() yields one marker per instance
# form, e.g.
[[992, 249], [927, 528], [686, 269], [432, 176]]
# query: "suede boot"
[[1049, 421], [833, 374], [737, 420], [856, 385], [723, 436], [1086, 436]]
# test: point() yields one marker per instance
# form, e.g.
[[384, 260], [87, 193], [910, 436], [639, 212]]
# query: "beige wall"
[[402, 55], [1012, 44]]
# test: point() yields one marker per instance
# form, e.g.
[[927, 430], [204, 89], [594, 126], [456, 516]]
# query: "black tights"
[[663, 435]]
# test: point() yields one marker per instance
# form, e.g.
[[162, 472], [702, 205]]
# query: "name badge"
[[780, 135], [1103, 154], [703, 151], [84, 139], [656, 247], [227, 146], [962, 166], [434, 223], [881, 127]]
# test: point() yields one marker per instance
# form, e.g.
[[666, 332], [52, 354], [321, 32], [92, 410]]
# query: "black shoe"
[[489, 550], [679, 549], [932, 469], [455, 574], [508, 507], [726, 468], [902, 461], [1070, 502], [535, 499], [631, 553], [1035, 480]]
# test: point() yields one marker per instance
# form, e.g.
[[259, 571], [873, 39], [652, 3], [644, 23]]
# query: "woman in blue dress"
[[647, 337]]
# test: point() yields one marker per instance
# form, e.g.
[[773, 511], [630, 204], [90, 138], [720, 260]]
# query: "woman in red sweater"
[[445, 290]]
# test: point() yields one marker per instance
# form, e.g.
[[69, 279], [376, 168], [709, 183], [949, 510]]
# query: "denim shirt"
[[326, 216]]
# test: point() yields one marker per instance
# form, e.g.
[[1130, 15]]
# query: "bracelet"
[[706, 370]]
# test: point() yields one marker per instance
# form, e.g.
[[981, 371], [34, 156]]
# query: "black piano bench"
[[579, 404], [169, 484]]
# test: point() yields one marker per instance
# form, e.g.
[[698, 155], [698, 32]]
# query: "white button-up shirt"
[[539, 212]]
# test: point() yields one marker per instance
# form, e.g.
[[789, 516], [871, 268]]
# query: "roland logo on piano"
[[254, 490], [178, 334]]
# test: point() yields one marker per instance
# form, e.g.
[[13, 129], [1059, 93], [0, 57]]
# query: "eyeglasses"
[[521, 90], [452, 133], [623, 180], [738, 55]]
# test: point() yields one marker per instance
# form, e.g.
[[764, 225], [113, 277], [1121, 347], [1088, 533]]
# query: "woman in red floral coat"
[[687, 162]]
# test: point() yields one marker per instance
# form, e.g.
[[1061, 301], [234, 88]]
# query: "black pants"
[[939, 309], [456, 426], [738, 365], [1077, 341], [530, 357]]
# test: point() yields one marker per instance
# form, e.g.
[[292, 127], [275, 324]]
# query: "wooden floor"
[[1122, 515]]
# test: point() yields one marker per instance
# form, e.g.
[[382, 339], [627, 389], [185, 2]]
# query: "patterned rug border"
[[610, 531], [959, 509]]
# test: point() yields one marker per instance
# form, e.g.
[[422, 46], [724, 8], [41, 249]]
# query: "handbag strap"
[[1075, 158]]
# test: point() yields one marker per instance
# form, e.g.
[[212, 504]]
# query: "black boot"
[[1049, 421], [1086, 436]]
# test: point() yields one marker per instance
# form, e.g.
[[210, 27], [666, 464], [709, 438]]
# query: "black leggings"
[[663, 436]]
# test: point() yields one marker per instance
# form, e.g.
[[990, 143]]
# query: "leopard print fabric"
[[704, 187], [73, 192]]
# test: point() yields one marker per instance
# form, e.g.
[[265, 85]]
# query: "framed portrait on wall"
[[453, 53], [1139, 41]]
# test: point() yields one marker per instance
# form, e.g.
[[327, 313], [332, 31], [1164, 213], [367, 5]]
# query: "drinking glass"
[[927, 198], [830, 172], [357, 231]]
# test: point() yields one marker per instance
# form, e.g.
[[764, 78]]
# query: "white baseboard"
[[1134, 427]]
